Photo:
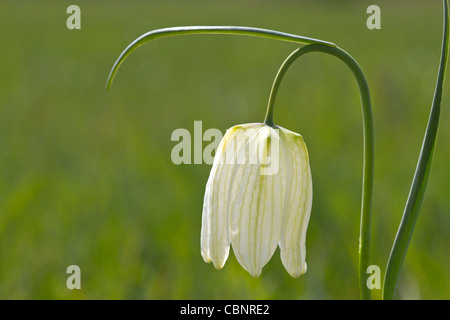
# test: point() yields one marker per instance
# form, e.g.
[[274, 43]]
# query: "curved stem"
[[420, 179], [368, 165], [174, 31]]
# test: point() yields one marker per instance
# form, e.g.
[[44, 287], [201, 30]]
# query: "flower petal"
[[256, 202], [298, 203], [205, 238], [215, 239]]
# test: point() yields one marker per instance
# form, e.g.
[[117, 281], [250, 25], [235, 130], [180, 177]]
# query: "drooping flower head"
[[258, 196]]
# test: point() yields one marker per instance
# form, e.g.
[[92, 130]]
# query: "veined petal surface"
[[258, 196], [298, 201], [256, 199]]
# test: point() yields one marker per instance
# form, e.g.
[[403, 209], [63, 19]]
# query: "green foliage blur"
[[86, 176]]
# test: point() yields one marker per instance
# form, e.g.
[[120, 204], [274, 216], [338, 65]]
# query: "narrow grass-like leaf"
[[420, 179]]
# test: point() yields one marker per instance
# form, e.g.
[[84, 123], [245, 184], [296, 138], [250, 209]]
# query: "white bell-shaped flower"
[[258, 196]]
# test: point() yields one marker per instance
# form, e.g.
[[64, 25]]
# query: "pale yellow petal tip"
[[218, 265], [255, 274], [206, 258], [297, 273]]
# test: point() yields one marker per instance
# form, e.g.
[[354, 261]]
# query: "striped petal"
[[298, 202], [215, 239], [258, 196], [256, 202]]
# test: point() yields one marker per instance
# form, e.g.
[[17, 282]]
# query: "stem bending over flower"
[[174, 31], [423, 167], [368, 166], [314, 45]]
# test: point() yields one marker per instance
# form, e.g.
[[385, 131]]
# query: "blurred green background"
[[86, 176]]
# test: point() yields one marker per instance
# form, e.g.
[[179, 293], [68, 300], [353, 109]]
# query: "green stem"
[[368, 132], [174, 31], [420, 179]]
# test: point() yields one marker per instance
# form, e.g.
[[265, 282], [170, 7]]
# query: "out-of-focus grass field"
[[86, 176]]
